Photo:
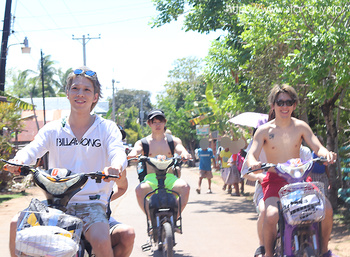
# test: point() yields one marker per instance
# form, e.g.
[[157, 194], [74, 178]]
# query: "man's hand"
[[12, 168], [331, 157], [256, 166], [112, 171], [186, 156]]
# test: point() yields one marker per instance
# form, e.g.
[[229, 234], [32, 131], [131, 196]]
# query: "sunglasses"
[[89, 73], [287, 102]]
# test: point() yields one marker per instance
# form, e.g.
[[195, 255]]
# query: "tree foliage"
[[10, 124], [302, 43], [29, 82]]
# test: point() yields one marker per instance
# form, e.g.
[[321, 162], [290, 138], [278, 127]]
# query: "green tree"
[[302, 43], [131, 124], [62, 77], [184, 91], [28, 83], [23, 84], [10, 124], [316, 55], [51, 85], [132, 98]]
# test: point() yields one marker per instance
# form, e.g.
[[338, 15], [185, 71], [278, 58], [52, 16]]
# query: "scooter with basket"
[[164, 217], [301, 209], [43, 229]]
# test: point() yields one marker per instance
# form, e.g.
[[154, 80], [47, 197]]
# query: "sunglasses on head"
[[287, 102], [89, 73]]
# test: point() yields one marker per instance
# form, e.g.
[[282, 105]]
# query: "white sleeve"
[[115, 149], [37, 148]]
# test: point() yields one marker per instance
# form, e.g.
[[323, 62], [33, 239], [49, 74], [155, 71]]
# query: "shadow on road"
[[226, 206], [178, 253]]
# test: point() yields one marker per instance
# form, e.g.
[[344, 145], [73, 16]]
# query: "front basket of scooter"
[[303, 202], [47, 234]]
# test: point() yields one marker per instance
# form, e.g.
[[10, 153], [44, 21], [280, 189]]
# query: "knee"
[[184, 190], [128, 236], [99, 243], [140, 192], [13, 223], [271, 218], [187, 189]]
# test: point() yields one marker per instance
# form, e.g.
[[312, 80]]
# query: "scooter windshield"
[[295, 168], [161, 163], [56, 186]]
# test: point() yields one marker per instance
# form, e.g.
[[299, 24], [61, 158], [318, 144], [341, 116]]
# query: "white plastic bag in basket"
[[309, 208], [45, 240]]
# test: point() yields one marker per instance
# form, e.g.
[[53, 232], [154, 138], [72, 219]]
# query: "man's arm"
[[180, 149], [255, 150], [121, 186], [315, 144], [137, 149]]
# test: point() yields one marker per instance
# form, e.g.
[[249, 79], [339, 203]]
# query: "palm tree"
[[62, 76], [50, 84], [23, 84]]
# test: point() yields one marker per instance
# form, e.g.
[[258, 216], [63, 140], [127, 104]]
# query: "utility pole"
[[113, 102], [141, 112], [84, 42], [43, 83], [5, 37], [45, 157]]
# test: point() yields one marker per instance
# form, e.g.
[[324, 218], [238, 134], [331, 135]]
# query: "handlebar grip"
[[24, 169]]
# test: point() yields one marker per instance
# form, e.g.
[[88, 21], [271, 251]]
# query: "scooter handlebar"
[[26, 169]]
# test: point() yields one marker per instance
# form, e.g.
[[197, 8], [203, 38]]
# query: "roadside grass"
[[8, 196]]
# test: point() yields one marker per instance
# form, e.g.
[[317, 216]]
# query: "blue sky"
[[129, 50]]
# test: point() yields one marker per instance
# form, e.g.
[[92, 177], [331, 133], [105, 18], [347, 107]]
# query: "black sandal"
[[259, 251]]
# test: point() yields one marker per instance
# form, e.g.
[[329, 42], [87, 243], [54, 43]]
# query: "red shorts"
[[271, 184]]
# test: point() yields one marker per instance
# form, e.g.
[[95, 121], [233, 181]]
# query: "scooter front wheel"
[[167, 240], [309, 252]]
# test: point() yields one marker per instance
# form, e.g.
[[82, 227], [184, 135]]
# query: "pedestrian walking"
[[205, 155]]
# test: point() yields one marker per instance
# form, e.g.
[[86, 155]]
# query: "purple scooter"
[[301, 210]]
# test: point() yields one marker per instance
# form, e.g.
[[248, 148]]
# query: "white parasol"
[[250, 119]]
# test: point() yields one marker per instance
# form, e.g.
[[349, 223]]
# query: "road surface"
[[213, 224]]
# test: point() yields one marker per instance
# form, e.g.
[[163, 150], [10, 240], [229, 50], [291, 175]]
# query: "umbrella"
[[250, 119]]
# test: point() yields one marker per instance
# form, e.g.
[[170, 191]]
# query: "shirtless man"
[[158, 145], [281, 139]]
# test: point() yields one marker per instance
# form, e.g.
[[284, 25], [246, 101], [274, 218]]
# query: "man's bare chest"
[[282, 145], [159, 148]]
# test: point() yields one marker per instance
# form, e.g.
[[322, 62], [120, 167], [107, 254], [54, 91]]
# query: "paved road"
[[214, 225]]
